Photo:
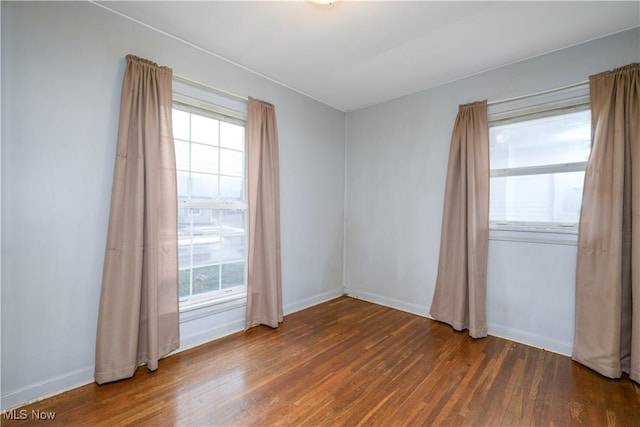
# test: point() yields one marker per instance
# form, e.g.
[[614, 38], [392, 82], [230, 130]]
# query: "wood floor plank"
[[348, 362]]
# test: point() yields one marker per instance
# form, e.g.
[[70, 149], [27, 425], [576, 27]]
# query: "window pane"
[[231, 162], [233, 275], [206, 279], [184, 238], [206, 241], [233, 248], [182, 155], [537, 198], [232, 136], [180, 121], [204, 129], [565, 138], [204, 186], [184, 281], [233, 221], [184, 252], [183, 184], [206, 250], [197, 237], [231, 188], [204, 158]]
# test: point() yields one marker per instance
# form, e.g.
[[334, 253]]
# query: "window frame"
[[550, 103], [206, 101]]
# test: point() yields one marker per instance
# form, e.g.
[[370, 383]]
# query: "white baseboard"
[[389, 302], [47, 388], [533, 340], [309, 302]]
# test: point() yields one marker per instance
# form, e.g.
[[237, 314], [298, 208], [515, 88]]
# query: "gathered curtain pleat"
[[264, 284], [138, 319], [460, 294], [607, 318]]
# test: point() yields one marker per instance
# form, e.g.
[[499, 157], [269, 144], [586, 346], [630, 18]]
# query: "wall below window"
[[530, 293], [62, 68], [397, 155]]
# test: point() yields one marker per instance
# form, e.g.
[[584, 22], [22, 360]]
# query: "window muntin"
[[537, 169], [212, 207]]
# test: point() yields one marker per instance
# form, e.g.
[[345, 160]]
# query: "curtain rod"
[[542, 92], [194, 82]]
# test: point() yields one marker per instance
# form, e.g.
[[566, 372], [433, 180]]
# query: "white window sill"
[[553, 236], [194, 310]]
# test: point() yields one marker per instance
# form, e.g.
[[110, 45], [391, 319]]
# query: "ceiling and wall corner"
[[354, 54]]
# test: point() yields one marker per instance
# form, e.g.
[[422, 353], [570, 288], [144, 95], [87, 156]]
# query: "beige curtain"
[[138, 318], [607, 331], [460, 294], [264, 293]]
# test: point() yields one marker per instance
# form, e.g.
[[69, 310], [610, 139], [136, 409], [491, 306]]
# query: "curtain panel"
[[460, 294], [138, 319], [264, 284], [607, 329]]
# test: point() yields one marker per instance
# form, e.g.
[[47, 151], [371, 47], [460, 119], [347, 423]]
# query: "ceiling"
[[353, 54]]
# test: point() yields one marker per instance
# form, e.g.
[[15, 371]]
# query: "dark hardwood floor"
[[348, 362]]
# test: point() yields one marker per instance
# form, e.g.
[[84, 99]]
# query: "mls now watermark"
[[23, 414]]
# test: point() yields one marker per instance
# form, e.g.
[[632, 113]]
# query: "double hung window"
[[212, 206], [538, 154]]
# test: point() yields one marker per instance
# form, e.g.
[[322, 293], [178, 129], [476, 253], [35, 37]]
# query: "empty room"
[[311, 213]]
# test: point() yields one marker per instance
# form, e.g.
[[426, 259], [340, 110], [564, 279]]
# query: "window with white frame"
[[212, 206], [538, 155]]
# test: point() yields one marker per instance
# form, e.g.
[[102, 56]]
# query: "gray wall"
[[397, 156], [62, 67]]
